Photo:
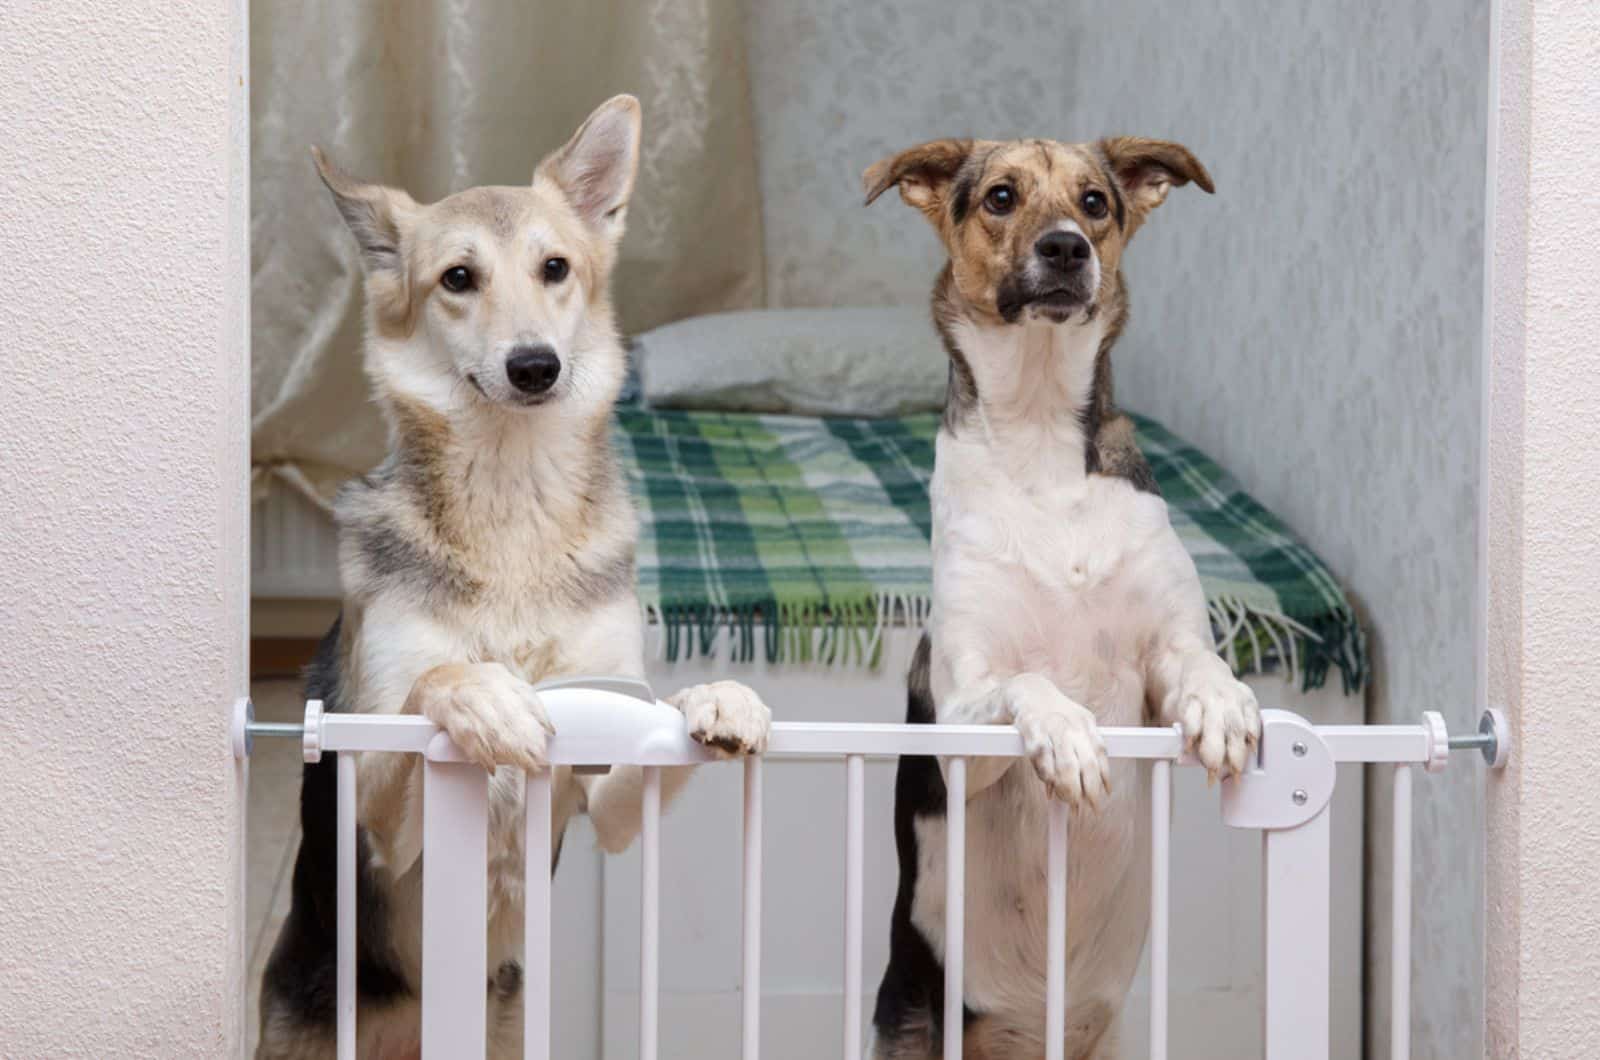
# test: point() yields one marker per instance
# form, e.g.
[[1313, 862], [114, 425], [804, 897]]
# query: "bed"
[[815, 531]]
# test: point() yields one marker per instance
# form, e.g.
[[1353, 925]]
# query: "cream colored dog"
[[492, 549]]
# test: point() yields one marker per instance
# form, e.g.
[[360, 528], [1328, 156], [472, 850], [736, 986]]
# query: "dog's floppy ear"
[[1148, 169], [373, 213], [923, 173], [595, 169]]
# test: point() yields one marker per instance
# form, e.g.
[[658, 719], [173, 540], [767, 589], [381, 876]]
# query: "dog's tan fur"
[[948, 181], [1050, 180], [494, 547]]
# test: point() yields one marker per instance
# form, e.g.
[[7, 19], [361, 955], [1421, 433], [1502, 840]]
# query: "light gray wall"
[[838, 85], [1315, 325]]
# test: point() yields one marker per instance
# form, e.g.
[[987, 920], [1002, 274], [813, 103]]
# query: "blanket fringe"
[[1253, 639]]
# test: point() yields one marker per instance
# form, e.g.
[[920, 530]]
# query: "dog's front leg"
[[493, 717], [1059, 735], [401, 661], [1193, 687], [1186, 682], [724, 716]]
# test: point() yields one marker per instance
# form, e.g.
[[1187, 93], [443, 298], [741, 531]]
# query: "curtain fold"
[[435, 96]]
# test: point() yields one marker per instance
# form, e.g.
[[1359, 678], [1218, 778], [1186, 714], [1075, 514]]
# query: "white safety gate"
[[600, 723]]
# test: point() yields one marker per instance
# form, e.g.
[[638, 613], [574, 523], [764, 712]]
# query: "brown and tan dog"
[[1063, 600]]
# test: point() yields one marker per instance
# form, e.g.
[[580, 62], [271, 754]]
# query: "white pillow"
[[814, 362]]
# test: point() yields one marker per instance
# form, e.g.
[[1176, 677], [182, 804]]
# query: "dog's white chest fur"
[[1064, 581], [1042, 569], [1048, 579], [1038, 566]]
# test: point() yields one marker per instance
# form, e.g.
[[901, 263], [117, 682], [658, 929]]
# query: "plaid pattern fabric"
[[802, 538]]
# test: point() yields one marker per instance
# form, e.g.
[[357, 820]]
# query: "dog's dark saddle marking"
[[911, 996], [299, 984], [1110, 450]]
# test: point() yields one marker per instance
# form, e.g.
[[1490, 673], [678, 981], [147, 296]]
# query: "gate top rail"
[[603, 722]]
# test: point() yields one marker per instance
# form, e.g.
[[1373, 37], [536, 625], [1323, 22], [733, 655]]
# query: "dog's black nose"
[[1063, 250], [533, 369]]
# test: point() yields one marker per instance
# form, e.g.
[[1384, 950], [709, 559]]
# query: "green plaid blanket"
[[803, 538]]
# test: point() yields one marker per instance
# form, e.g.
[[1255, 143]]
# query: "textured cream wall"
[[123, 421], [1543, 659], [1316, 325]]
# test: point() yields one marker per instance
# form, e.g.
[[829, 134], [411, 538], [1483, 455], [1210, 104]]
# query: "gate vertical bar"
[[855, 812], [650, 916], [1055, 991], [955, 902], [1160, 891], [455, 896], [1400, 963], [536, 936], [345, 898], [751, 996], [1296, 867]]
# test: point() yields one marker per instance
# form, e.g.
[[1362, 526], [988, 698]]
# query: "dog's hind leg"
[[906, 1043], [615, 802], [1093, 1031], [1091, 1034], [283, 1039], [987, 1038], [505, 1013]]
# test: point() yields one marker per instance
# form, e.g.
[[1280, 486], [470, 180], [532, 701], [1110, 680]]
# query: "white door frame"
[[1541, 499], [124, 468]]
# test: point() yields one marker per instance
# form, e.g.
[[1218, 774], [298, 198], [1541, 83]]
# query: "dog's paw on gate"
[[1061, 740], [725, 716], [493, 716], [1221, 722]]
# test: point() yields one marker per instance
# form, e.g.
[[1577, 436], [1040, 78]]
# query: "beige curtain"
[[434, 96]]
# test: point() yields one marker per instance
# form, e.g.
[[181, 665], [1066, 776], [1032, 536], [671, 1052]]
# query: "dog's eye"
[[458, 278], [555, 270], [1094, 204], [1001, 200]]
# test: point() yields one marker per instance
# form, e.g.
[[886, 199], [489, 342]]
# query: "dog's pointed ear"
[[596, 168], [1147, 169], [374, 214], [923, 174]]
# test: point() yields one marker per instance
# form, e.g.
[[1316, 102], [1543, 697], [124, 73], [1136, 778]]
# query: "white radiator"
[[294, 549]]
